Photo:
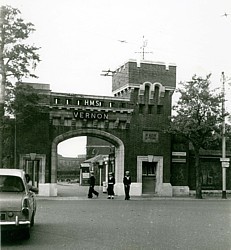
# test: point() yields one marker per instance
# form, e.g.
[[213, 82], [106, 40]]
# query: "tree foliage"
[[17, 59], [197, 118], [198, 112], [25, 104]]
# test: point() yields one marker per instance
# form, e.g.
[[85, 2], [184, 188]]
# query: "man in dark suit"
[[91, 187], [127, 182]]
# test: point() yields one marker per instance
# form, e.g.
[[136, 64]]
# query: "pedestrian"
[[29, 184], [91, 186], [127, 183], [111, 183]]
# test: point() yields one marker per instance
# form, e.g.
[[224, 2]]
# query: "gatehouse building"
[[132, 121]]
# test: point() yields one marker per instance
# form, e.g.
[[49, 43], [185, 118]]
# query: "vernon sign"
[[90, 115]]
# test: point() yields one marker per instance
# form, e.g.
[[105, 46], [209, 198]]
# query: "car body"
[[17, 202]]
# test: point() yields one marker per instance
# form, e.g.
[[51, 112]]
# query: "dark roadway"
[[141, 223]]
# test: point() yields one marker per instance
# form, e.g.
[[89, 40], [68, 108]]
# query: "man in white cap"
[[111, 183], [127, 182]]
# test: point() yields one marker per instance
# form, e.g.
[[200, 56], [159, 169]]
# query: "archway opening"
[[104, 153], [70, 154], [73, 147], [78, 156]]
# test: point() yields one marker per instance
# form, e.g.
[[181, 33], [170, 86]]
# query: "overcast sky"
[[80, 38]]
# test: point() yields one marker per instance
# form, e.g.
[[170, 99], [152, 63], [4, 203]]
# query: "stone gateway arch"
[[119, 152]]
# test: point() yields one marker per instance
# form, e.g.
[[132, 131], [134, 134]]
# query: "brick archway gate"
[[133, 120], [119, 154]]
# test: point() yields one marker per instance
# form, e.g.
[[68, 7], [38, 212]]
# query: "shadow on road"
[[74, 189], [11, 238]]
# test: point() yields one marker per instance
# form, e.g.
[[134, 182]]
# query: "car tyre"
[[32, 220], [26, 233]]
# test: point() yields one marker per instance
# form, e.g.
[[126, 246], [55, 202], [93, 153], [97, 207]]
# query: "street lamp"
[[224, 160]]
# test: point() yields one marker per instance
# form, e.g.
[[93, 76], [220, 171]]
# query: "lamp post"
[[224, 160]]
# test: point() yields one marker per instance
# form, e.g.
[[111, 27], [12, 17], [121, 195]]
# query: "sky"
[[80, 38]]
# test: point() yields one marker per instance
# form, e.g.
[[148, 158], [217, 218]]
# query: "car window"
[[11, 184]]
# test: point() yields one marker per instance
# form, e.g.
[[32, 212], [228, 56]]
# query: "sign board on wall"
[[90, 115], [150, 136]]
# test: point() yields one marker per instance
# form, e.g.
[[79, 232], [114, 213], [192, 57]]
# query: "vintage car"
[[17, 202]]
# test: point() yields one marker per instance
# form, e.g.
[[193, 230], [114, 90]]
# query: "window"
[[150, 109], [156, 94], [11, 184], [123, 105], [56, 121], [159, 109], [149, 169], [141, 108], [56, 100], [68, 101], [67, 122]]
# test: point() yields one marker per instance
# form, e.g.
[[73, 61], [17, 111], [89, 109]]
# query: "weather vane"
[[145, 43]]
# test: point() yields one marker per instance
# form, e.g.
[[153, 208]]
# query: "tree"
[[17, 59], [198, 118], [25, 104]]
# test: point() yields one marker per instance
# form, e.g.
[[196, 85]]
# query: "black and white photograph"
[[115, 124]]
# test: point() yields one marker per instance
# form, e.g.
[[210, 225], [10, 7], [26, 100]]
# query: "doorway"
[[149, 177], [34, 165], [32, 168]]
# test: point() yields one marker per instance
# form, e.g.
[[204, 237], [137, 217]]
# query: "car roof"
[[12, 171]]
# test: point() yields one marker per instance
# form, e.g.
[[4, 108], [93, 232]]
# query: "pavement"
[[74, 191]]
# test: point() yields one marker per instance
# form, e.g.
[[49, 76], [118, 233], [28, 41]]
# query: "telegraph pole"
[[224, 160]]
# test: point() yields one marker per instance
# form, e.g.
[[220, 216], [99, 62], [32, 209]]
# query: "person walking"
[[92, 185], [127, 182], [111, 183]]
